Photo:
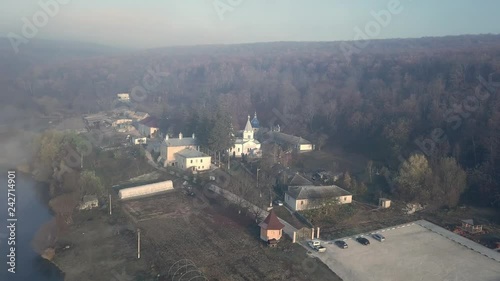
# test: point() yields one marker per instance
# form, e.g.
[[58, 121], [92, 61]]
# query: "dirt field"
[[221, 243]]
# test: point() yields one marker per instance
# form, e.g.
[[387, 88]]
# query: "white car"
[[379, 237], [316, 245], [278, 202]]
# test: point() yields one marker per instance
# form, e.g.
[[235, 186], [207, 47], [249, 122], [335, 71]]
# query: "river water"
[[31, 212]]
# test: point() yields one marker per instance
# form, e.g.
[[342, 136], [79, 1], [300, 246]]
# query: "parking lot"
[[416, 251]]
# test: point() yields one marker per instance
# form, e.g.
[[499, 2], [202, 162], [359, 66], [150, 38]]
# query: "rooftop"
[[271, 222], [98, 117], [298, 180], [191, 153], [316, 192], [240, 141], [150, 121], [288, 138], [470, 221], [89, 198], [181, 142], [248, 126]]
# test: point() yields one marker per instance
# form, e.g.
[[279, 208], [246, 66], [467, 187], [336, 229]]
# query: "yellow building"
[[271, 228], [170, 147], [193, 160]]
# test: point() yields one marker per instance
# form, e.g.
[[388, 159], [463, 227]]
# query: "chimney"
[[180, 136], [166, 136], [192, 136]]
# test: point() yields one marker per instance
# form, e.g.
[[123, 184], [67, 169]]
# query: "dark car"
[[363, 241], [341, 244]]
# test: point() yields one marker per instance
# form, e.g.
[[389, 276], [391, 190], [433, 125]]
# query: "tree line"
[[383, 102]]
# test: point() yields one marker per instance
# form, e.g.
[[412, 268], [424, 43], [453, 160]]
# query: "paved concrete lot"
[[410, 253]]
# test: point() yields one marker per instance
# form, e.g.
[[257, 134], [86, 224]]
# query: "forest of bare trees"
[[435, 96]]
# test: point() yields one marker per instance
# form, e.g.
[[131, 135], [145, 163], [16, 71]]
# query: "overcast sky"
[[156, 23]]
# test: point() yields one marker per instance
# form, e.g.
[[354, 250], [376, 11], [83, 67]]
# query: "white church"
[[245, 144]]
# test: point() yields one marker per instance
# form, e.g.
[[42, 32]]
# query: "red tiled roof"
[[272, 222], [151, 122]]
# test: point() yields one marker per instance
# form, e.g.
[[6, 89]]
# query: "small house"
[[310, 197], [271, 228], [123, 97], [470, 227], [89, 202], [149, 126], [139, 140], [384, 203]]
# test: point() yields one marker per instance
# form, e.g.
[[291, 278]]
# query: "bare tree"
[[45, 237], [64, 205]]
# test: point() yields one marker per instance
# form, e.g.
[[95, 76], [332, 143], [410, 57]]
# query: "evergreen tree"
[[221, 135]]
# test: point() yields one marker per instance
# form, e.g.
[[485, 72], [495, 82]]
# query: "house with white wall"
[[297, 144], [193, 160], [123, 97], [308, 197]]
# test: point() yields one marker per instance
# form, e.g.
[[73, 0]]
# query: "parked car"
[[316, 245], [278, 202], [363, 241], [341, 244], [321, 249], [379, 237], [313, 244]]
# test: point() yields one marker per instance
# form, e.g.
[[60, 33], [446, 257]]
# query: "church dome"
[[255, 122]]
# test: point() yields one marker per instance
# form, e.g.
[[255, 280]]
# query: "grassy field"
[[222, 243]]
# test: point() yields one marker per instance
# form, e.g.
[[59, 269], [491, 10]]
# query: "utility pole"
[[260, 193], [81, 160], [270, 198], [110, 205], [138, 243]]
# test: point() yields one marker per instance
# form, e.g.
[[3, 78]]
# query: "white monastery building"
[[245, 143]]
